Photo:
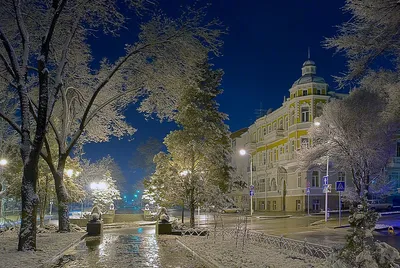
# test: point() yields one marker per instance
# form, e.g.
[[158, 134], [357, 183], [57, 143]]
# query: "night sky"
[[262, 57]]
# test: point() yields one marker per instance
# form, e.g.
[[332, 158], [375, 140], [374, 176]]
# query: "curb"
[[208, 262], [61, 253], [273, 217]]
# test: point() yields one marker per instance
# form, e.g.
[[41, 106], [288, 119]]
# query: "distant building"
[[273, 139]]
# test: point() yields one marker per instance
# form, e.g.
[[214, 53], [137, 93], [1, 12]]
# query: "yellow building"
[[273, 140]]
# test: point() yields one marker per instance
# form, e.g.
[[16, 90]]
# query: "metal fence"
[[259, 238]]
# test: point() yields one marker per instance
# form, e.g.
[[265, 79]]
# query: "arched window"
[[273, 185], [305, 114], [292, 117], [315, 178]]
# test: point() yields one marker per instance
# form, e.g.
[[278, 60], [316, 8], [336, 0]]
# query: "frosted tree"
[[45, 61], [106, 194], [196, 169], [357, 136]]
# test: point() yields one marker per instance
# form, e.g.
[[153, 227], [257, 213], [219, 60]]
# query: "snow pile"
[[226, 254], [48, 245]]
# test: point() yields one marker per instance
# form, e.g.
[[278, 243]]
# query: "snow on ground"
[[49, 244], [226, 254]]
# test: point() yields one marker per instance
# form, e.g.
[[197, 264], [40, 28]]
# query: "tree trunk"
[[43, 202], [183, 212], [27, 235], [62, 197], [192, 208]]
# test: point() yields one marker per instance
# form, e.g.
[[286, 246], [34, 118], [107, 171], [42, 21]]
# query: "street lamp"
[[316, 123], [243, 152]]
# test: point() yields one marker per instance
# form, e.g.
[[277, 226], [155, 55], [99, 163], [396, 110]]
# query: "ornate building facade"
[[272, 141]]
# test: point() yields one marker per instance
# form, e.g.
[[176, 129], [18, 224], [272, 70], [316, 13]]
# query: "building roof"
[[308, 63], [238, 133], [308, 78]]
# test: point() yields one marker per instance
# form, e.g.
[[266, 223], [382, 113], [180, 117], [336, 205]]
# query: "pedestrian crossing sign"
[[340, 186]]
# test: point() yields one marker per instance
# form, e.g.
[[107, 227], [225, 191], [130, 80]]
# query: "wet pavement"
[[128, 247]]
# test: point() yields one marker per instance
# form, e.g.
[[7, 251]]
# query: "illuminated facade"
[[273, 139]]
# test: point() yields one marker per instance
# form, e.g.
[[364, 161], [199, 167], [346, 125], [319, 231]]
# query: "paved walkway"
[[128, 247]]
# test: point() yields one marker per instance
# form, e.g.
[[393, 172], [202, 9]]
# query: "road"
[[300, 228]]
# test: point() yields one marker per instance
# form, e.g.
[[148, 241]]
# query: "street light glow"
[[184, 173], [316, 123], [69, 172], [242, 152], [98, 185], [3, 162]]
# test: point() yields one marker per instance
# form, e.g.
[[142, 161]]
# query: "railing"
[[302, 247]]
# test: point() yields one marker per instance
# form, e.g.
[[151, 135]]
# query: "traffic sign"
[[251, 192], [308, 184], [251, 187], [325, 179], [340, 186], [327, 188], [308, 190]]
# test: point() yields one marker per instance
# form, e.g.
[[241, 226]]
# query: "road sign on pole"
[[340, 186], [327, 188], [325, 179], [251, 192], [308, 190], [251, 187]]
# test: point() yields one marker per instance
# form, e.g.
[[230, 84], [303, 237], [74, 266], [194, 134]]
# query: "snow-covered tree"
[[356, 136], [370, 38], [46, 62], [106, 194], [196, 168]]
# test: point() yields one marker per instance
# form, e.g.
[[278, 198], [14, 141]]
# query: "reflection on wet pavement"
[[133, 247]]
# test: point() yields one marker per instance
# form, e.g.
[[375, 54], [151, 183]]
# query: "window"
[[268, 205], [292, 117], [305, 114], [304, 142], [315, 179], [292, 147], [304, 92], [287, 122], [270, 156], [316, 205], [299, 179], [264, 156], [318, 110], [259, 134], [254, 137], [262, 185], [341, 176], [269, 128], [318, 91], [298, 205], [280, 124], [274, 126], [264, 131], [273, 205], [273, 185], [398, 149], [260, 161], [395, 179]]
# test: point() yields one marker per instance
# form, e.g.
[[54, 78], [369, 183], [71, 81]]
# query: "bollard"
[[391, 230]]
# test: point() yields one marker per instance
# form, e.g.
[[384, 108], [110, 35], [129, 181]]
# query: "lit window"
[[315, 179], [305, 114]]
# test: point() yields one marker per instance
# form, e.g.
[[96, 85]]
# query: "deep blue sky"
[[262, 57]]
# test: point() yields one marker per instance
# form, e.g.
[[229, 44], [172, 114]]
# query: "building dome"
[[309, 74], [308, 63], [308, 78]]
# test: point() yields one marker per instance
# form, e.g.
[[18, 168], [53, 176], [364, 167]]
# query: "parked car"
[[233, 209], [379, 205]]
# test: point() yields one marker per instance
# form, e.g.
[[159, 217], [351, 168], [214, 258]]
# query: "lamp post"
[[317, 124], [3, 163], [242, 153]]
